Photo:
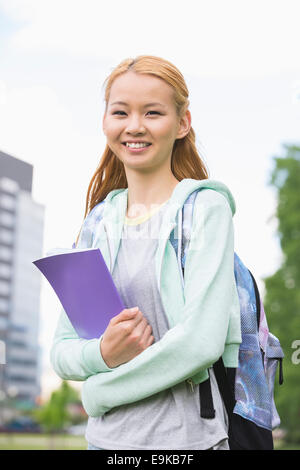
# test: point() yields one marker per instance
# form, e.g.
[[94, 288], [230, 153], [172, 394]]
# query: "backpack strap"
[[207, 410], [257, 297], [223, 381]]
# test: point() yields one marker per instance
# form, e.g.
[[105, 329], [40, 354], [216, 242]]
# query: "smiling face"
[[141, 108]]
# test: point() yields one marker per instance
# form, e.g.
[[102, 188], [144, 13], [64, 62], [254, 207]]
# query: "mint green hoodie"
[[203, 314]]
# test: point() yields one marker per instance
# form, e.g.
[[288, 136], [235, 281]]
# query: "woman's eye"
[[119, 112]]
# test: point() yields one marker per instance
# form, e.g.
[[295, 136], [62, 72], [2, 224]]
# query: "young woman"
[[141, 376]]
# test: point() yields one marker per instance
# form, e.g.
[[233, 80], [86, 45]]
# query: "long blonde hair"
[[185, 159]]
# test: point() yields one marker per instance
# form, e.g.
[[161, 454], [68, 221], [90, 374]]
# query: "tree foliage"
[[54, 415], [282, 298]]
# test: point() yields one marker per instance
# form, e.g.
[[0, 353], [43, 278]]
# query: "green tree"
[[282, 298], [54, 415]]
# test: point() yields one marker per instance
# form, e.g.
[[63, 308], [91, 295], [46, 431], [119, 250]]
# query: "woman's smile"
[[136, 149]]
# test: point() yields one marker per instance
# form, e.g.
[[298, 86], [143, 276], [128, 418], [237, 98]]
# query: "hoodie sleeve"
[[211, 319], [74, 358]]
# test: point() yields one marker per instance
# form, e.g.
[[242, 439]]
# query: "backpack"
[[248, 390]]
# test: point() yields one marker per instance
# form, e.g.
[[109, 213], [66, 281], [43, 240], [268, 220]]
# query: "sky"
[[240, 60]]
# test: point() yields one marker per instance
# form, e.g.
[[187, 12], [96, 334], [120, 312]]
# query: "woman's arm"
[[211, 318], [74, 358]]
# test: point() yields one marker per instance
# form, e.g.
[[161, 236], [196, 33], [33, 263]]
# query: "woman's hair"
[[185, 160]]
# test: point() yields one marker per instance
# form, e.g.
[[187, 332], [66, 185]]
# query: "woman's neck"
[[144, 193]]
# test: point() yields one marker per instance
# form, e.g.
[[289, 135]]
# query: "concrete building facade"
[[21, 242]]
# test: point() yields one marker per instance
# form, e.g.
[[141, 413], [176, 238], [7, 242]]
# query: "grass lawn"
[[281, 445], [41, 442], [69, 442]]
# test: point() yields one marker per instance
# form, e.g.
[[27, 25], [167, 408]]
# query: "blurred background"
[[240, 60]]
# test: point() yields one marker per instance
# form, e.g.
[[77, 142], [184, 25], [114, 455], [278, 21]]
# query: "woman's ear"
[[184, 125]]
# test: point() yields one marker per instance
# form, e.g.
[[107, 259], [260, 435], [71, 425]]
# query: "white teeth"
[[136, 145]]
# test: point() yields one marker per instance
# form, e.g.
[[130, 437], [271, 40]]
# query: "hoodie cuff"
[[231, 355], [93, 358], [88, 400], [200, 377]]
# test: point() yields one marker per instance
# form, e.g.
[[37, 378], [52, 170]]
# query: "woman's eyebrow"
[[145, 106]]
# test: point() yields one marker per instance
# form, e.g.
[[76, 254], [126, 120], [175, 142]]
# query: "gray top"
[[171, 418]]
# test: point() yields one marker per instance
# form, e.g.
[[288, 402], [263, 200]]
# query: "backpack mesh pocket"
[[252, 393]]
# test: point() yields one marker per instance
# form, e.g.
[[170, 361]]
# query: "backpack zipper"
[[191, 384]]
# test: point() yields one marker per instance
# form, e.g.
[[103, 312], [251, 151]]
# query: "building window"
[[4, 305], [21, 378], [4, 288], [6, 236], [5, 253], [5, 270], [22, 362], [7, 202], [3, 324], [7, 219], [9, 185]]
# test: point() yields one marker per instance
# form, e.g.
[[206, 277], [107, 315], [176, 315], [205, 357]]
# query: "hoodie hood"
[[188, 185], [180, 194]]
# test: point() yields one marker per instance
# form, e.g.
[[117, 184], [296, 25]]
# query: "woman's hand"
[[126, 336]]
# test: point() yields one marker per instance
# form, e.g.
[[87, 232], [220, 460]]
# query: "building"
[[21, 242]]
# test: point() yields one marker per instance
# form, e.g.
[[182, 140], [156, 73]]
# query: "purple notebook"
[[85, 288]]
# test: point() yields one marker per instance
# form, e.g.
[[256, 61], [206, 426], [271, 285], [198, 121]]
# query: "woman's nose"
[[135, 124]]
